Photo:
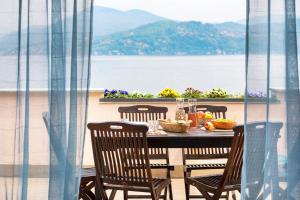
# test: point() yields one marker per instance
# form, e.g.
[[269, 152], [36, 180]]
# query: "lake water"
[[152, 74]]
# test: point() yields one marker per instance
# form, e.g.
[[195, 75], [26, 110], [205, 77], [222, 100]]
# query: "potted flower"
[[168, 93]]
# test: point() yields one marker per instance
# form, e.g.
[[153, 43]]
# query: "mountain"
[[105, 21], [108, 20], [136, 32], [174, 38]]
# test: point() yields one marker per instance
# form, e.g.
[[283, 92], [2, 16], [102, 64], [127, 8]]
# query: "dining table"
[[193, 138]]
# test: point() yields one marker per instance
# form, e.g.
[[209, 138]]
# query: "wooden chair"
[[88, 175], [121, 158], [189, 154], [212, 186], [144, 113], [264, 145]]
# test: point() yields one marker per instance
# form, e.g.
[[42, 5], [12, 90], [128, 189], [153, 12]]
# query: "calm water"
[[152, 74]]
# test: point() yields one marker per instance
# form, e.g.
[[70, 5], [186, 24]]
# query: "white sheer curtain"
[[44, 68], [271, 168]]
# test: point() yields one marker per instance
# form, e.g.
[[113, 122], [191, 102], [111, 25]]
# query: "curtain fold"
[[271, 168], [45, 48]]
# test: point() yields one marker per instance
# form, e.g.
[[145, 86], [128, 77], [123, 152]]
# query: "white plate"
[[216, 130]]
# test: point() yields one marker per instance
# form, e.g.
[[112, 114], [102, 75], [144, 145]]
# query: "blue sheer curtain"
[[45, 48], [271, 168]]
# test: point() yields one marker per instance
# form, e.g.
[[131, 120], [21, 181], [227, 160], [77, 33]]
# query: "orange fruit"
[[200, 114]]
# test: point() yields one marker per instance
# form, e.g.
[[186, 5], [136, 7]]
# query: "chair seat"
[[88, 173], [211, 183], [157, 183], [158, 166], [191, 167], [162, 166]]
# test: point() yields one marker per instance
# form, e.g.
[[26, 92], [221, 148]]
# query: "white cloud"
[[200, 10]]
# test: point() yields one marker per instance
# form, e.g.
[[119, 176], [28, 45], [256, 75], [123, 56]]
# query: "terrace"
[[63, 139], [106, 109]]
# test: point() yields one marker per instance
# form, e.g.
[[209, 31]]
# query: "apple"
[[209, 126]]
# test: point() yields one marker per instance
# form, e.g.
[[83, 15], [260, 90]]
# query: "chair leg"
[[170, 191], [165, 195], [112, 194], [170, 186], [187, 186], [227, 195], [103, 196], [84, 197], [100, 192], [85, 190], [125, 195], [233, 195], [187, 191], [206, 195], [154, 196], [91, 195], [216, 196]]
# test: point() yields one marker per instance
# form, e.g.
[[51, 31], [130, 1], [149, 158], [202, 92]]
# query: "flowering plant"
[[137, 94], [168, 93], [216, 93], [257, 94], [236, 95], [115, 93], [191, 93]]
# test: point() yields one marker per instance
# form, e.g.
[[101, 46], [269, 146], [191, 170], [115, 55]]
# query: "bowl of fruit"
[[177, 126], [204, 117], [226, 124]]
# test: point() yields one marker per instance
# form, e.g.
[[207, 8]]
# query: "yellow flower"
[[168, 93]]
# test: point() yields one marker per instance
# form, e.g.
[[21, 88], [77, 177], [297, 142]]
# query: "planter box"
[[162, 100]]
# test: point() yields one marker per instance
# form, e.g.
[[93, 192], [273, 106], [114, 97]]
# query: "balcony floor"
[[36, 186], [178, 191]]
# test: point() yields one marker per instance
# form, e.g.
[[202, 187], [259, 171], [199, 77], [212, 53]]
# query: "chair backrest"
[[265, 143], [232, 172], [143, 113], [233, 169], [217, 111], [121, 153]]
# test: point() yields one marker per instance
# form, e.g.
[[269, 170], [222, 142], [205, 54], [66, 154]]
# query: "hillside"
[[107, 20], [174, 38]]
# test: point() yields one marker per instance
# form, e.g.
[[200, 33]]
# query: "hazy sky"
[[200, 10]]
